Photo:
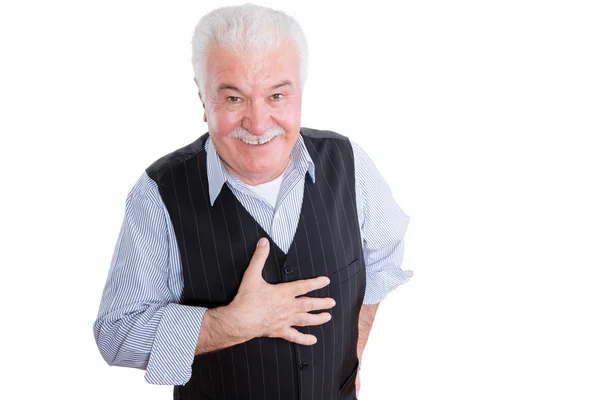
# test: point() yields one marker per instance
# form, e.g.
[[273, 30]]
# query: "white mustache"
[[247, 137]]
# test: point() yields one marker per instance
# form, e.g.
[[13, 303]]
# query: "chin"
[[262, 154], [264, 169]]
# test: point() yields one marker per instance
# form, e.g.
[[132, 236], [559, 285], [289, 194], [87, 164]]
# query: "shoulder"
[[311, 133], [176, 157], [326, 142], [143, 194]]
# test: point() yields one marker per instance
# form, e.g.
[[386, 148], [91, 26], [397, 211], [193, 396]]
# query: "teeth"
[[256, 141], [248, 138]]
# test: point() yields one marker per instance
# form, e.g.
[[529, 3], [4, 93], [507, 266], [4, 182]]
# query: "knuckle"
[[281, 315], [306, 287], [307, 305], [292, 335], [259, 253], [321, 304]]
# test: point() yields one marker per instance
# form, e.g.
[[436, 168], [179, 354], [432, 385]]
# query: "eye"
[[233, 99], [277, 96]]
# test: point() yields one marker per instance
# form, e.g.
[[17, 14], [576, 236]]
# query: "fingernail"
[[327, 281], [262, 242]]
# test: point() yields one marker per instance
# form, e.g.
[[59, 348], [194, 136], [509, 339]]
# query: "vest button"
[[288, 270], [304, 366]]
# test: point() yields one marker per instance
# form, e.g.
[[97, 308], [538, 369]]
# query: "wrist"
[[235, 322]]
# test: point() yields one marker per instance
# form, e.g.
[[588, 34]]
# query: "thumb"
[[257, 262]]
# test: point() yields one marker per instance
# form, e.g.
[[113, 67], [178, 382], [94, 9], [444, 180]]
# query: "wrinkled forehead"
[[257, 68]]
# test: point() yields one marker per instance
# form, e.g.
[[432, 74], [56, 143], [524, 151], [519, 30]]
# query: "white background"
[[483, 116]]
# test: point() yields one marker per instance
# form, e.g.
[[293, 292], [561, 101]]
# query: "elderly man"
[[251, 262]]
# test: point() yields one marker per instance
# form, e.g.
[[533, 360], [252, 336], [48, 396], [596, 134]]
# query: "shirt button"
[[288, 270], [304, 366]]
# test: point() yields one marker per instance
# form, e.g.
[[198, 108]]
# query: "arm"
[[219, 330], [140, 323], [383, 225], [365, 322]]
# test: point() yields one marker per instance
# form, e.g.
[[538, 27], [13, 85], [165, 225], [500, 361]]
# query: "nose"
[[257, 119]]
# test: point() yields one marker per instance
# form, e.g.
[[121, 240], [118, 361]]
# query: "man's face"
[[252, 96]]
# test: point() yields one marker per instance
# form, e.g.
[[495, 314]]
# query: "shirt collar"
[[218, 175]]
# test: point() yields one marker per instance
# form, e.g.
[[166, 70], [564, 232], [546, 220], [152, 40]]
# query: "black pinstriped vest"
[[216, 244]]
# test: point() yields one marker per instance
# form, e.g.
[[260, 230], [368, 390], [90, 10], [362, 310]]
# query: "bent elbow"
[[111, 342], [105, 342]]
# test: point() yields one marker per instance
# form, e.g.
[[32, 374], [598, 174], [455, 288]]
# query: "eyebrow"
[[283, 83], [227, 86]]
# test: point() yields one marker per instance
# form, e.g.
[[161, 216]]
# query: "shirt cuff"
[[174, 345], [381, 283]]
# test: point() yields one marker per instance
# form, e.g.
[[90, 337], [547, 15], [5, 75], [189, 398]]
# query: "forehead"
[[253, 69]]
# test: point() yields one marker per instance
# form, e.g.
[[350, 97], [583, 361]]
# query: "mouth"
[[258, 141]]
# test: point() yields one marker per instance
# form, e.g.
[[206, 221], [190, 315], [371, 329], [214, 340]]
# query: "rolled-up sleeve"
[[383, 226], [140, 323]]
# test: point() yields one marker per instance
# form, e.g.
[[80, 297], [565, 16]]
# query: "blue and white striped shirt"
[[140, 323]]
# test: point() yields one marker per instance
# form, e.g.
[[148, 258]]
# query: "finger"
[[304, 286], [307, 319], [293, 335], [257, 262], [306, 304]]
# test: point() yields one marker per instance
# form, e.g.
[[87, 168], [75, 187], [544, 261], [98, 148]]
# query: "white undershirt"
[[269, 190]]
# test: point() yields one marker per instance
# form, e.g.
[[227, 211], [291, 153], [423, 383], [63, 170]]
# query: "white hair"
[[244, 30]]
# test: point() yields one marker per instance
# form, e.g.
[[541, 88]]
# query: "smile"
[[258, 140], [254, 140]]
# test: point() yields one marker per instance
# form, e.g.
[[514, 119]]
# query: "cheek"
[[223, 120], [288, 117]]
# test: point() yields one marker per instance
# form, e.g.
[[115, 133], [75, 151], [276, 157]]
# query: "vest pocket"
[[348, 389], [342, 275]]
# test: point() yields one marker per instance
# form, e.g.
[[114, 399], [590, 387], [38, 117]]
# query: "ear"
[[202, 101]]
